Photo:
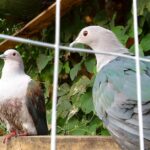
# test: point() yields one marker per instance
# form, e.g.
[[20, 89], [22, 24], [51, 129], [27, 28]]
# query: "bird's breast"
[[10, 112], [13, 89]]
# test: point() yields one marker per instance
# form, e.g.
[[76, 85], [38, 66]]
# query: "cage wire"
[[58, 47], [56, 62], [138, 76]]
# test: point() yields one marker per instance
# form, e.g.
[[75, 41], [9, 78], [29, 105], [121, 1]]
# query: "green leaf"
[[131, 31], [47, 88], [67, 35], [74, 71], [42, 60], [72, 112], [142, 5], [71, 124], [90, 65], [80, 86], [78, 131], [120, 33], [105, 132], [1, 66], [145, 43], [94, 124], [87, 103], [66, 67], [92, 129], [63, 108], [79, 45], [100, 18], [48, 116], [76, 127], [132, 50], [63, 89], [60, 66]]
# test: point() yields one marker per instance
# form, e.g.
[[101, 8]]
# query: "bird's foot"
[[9, 136], [13, 134]]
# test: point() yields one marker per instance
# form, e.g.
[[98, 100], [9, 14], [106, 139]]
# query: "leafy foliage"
[[75, 111]]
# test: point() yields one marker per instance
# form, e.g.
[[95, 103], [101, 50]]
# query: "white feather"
[[13, 85]]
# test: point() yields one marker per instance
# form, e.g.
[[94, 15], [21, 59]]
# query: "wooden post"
[[40, 22], [63, 143]]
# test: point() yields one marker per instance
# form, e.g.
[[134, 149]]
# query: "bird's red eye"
[[85, 33], [14, 54]]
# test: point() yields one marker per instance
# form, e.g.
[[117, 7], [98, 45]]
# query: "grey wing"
[[115, 101], [36, 107]]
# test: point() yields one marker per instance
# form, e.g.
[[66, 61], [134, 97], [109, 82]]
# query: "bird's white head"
[[13, 63], [90, 36], [11, 55], [100, 39]]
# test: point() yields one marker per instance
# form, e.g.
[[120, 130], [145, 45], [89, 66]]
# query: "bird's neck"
[[102, 59], [12, 69]]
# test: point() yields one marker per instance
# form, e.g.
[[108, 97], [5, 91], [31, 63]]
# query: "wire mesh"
[[55, 83], [138, 76], [58, 47]]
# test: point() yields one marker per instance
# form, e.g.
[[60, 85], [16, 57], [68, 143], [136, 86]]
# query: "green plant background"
[[75, 111]]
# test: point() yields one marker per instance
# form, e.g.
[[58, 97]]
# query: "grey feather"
[[36, 107], [114, 90], [119, 101]]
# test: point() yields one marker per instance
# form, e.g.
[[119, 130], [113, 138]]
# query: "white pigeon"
[[22, 106]]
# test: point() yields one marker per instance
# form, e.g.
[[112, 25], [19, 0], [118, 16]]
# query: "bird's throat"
[[103, 60], [12, 69]]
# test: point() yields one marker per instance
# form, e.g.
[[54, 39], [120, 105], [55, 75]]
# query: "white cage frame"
[[58, 47]]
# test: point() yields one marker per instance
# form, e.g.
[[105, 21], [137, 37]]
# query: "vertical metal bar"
[[138, 77], [55, 82]]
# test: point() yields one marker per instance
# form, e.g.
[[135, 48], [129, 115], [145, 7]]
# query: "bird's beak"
[[73, 43], [2, 56], [76, 41]]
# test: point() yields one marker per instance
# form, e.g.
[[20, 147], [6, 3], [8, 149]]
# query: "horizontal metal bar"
[[71, 49], [27, 41]]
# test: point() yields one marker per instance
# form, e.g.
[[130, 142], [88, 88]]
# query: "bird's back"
[[115, 100]]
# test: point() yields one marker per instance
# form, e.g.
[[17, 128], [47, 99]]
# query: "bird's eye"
[[14, 54], [85, 33]]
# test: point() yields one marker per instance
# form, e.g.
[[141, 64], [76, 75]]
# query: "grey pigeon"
[[22, 106], [114, 90]]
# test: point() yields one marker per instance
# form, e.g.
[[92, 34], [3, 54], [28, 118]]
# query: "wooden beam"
[[40, 22], [63, 143]]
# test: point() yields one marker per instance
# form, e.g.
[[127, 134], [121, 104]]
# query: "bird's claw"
[[9, 136], [13, 134]]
